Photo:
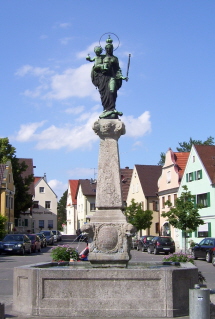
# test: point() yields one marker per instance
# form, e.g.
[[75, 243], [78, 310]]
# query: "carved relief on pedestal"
[[109, 128]]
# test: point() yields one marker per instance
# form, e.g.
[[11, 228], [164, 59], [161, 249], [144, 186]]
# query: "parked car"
[[143, 243], [49, 236], [15, 243], [57, 235], [161, 244], [42, 239], [35, 242], [204, 249]]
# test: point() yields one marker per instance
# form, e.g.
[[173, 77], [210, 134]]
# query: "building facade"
[[7, 192]]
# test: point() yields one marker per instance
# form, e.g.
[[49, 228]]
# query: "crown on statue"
[[109, 40]]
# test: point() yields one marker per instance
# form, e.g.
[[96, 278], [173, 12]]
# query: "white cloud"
[[60, 86], [81, 172], [65, 40], [35, 71], [70, 137], [65, 25], [136, 127], [58, 187], [27, 131], [72, 82], [75, 110], [79, 136]]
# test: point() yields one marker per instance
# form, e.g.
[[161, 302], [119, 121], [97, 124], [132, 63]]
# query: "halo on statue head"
[[109, 33]]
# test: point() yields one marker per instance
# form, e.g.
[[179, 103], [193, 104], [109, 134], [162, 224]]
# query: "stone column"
[[108, 229]]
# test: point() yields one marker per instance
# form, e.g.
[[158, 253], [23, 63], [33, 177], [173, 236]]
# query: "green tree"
[[138, 217], [184, 215], [2, 226], [22, 199], [186, 147], [61, 210]]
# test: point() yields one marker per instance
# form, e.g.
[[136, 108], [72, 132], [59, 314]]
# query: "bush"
[[179, 257], [64, 253]]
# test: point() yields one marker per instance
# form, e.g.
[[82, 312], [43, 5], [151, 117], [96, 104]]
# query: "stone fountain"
[[108, 285]]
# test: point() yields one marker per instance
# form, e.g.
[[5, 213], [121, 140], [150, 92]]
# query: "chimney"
[[45, 179]]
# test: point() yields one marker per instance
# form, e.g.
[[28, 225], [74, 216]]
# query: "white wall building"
[[44, 212], [71, 208]]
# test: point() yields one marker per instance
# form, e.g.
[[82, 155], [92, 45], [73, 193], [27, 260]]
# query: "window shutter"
[[209, 229], [196, 233], [186, 177], [194, 175], [208, 200], [200, 173]]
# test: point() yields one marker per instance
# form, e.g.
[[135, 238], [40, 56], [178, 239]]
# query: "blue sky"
[[48, 103]]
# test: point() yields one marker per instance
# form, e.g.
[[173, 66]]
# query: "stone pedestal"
[[108, 230]]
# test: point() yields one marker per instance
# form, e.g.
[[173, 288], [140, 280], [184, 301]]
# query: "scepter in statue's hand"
[[129, 57]]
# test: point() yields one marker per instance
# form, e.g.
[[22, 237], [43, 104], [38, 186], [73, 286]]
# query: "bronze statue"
[[106, 75]]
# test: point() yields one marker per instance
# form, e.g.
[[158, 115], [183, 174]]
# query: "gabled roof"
[[180, 161], [126, 175], [207, 156], [29, 171], [73, 183], [37, 179], [88, 187], [148, 176]]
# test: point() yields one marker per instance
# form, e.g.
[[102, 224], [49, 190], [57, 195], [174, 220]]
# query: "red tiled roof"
[[73, 183], [148, 176], [36, 179], [181, 162], [207, 155], [126, 175]]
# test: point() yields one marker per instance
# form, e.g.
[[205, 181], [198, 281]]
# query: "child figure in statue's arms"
[[98, 59]]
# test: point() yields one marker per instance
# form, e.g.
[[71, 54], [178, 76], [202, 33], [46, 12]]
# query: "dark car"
[[35, 243], [204, 249], [15, 243], [161, 244], [49, 236], [143, 243], [42, 239]]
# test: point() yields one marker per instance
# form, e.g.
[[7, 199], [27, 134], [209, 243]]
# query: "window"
[[41, 223], [47, 204], [168, 177], [163, 202], [190, 177], [169, 198], [42, 190], [157, 228], [26, 222], [7, 201], [36, 204], [194, 159], [199, 174], [155, 206], [50, 223], [204, 231], [203, 199], [92, 206]]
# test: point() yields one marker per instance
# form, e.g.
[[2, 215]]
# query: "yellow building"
[[7, 191]]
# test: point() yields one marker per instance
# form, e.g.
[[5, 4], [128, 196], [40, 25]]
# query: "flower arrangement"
[[179, 257], [64, 253]]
